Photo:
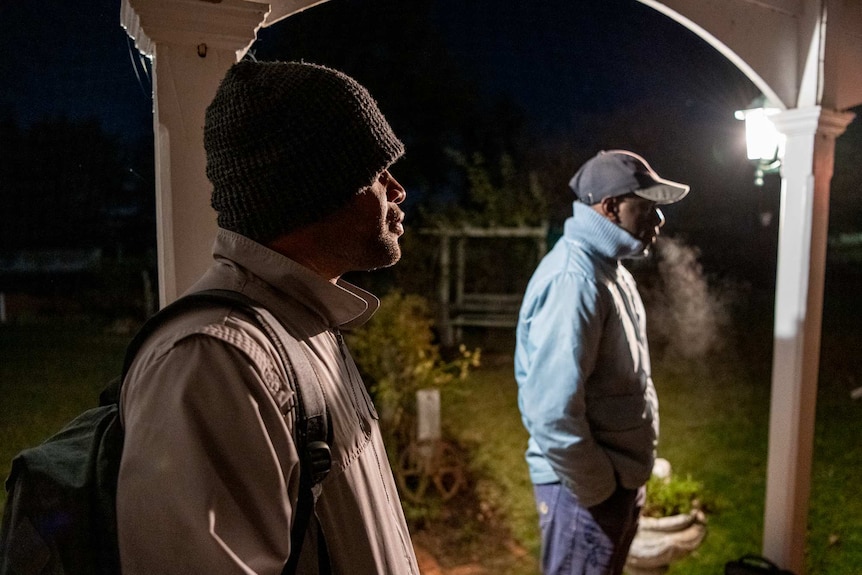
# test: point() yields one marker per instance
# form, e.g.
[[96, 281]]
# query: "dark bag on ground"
[[753, 565], [60, 516]]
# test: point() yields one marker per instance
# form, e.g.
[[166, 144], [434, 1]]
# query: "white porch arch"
[[805, 58], [802, 54]]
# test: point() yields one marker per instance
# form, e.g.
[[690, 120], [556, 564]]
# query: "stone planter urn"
[[662, 540]]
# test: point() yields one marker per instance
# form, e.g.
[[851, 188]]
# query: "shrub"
[[397, 355]]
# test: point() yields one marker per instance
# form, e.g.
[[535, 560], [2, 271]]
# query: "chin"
[[391, 257]]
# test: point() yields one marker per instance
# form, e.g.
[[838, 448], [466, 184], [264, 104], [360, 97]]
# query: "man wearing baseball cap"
[[583, 368], [210, 479]]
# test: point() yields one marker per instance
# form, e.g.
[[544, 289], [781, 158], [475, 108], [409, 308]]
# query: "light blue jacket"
[[582, 364]]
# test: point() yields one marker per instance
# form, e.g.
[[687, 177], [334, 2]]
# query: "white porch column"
[[806, 172], [192, 44]]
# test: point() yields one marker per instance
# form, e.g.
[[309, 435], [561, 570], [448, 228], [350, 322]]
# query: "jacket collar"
[[600, 235], [342, 305]]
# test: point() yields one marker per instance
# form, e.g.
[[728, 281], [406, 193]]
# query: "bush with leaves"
[[396, 353], [666, 496]]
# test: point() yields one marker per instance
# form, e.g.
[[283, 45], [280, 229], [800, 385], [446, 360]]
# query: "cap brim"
[[664, 192]]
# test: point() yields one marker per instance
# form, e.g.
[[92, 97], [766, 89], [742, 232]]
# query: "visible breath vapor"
[[688, 317]]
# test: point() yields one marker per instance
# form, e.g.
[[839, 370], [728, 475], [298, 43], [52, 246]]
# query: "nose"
[[394, 191]]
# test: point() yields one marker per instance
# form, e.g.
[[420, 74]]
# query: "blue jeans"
[[579, 540]]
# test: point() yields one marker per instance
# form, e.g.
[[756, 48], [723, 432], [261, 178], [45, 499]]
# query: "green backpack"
[[60, 516]]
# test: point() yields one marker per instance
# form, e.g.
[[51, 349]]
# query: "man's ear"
[[609, 208]]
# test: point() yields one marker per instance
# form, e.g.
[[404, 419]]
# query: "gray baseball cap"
[[619, 172]]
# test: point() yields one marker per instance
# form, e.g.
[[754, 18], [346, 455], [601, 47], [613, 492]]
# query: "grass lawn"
[[714, 418], [714, 426], [50, 372]]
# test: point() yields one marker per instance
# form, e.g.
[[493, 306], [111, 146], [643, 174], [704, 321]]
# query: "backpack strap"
[[312, 424]]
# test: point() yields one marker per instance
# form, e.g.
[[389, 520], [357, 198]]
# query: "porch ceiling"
[[281, 9], [798, 53]]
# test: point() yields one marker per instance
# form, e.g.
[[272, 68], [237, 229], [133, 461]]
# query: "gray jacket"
[[210, 474]]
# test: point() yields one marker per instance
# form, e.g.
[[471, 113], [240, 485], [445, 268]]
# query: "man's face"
[[640, 217], [375, 225]]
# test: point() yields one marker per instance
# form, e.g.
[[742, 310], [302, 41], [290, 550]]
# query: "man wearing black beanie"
[[299, 157]]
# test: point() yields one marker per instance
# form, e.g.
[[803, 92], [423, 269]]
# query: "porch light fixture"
[[764, 144]]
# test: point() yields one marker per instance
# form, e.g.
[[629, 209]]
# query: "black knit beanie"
[[288, 143]]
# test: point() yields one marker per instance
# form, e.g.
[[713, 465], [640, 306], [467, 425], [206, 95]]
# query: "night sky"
[[564, 60], [71, 59], [611, 73]]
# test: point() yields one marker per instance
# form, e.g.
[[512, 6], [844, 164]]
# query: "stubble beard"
[[388, 246], [388, 249], [380, 251]]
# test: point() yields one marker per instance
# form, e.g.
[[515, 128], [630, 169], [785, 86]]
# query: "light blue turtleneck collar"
[[600, 235]]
